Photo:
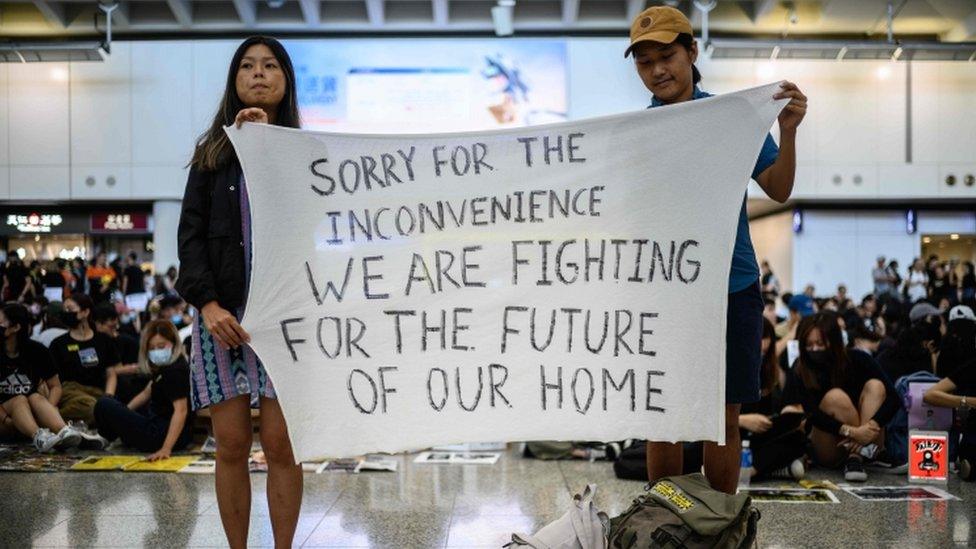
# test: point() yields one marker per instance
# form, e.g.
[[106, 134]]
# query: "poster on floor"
[[791, 495], [556, 282], [898, 493]]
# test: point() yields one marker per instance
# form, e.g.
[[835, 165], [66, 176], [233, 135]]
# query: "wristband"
[[964, 405]]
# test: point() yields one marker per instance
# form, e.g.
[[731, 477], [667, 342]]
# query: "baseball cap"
[[961, 312], [802, 304], [922, 310], [658, 24]]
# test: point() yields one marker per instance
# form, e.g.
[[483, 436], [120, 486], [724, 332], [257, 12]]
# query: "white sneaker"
[[67, 438], [92, 441], [44, 440], [795, 471]]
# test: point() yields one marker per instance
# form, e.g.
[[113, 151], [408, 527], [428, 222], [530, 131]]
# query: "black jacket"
[[211, 243]]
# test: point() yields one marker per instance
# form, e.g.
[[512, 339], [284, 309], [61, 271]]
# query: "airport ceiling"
[[936, 20]]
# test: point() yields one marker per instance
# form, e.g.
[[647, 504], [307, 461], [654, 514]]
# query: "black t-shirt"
[[136, 284], [169, 384], [52, 279], [128, 348], [17, 277], [964, 379], [84, 362], [860, 368], [22, 374], [968, 281]]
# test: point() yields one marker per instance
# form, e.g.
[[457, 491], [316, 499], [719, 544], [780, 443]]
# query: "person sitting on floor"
[[167, 426], [105, 319], [87, 361], [24, 365], [847, 398], [777, 452], [958, 391]]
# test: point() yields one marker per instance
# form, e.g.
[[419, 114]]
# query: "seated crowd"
[[87, 370]]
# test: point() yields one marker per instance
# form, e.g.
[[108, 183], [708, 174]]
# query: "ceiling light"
[[503, 17]]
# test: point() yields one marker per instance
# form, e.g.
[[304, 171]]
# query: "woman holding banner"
[[664, 49], [214, 252]]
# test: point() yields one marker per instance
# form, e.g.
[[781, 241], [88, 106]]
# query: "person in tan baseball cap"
[[665, 51]]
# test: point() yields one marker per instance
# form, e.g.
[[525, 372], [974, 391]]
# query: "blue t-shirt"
[[745, 268]]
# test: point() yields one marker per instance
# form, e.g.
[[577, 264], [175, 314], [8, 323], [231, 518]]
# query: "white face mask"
[[161, 357], [845, 337]]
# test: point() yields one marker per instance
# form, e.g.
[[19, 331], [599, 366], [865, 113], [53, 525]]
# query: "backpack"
[[896, 432], [631, 464], [685, 512]]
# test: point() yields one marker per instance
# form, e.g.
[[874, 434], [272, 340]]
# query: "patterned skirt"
[[219, 374]]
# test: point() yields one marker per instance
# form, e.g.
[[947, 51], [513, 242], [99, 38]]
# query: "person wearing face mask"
[[24, 365], [87, 361], [167, 424], [844, 394], [916, 349]]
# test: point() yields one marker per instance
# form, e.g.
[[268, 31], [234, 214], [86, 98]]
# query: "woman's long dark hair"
[[84, 303], [827, 323], [213, 148], [18, 315]]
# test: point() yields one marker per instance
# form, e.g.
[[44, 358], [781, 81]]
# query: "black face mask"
[[818, 360], [70, 319]]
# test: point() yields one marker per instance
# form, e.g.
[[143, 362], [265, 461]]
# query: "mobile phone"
[[869, 451]]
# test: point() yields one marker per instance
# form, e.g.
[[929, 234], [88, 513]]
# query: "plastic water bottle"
[[745, 465]]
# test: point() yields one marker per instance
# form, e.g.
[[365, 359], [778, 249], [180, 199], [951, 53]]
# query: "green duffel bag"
[[685, 512]]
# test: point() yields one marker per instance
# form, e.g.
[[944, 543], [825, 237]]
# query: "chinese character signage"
[[34, 222], [120, 222]]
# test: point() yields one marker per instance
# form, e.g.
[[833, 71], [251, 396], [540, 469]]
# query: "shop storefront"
[[68, 231]]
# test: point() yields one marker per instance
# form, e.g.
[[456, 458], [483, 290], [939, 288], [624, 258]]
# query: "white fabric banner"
[[560, 282]]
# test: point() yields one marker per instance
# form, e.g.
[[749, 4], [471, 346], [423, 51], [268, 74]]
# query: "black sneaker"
[[854, 470]]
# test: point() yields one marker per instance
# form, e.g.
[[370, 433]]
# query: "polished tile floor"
[[426, 506]]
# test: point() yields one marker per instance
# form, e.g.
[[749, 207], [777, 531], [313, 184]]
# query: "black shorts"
[[743, 345]]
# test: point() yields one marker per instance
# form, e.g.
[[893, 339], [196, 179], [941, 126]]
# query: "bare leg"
[[872, 397], [46, 413], [232, 431], [664, 459], [19, 410], [285, 482], [722, 462], [837, 405]]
